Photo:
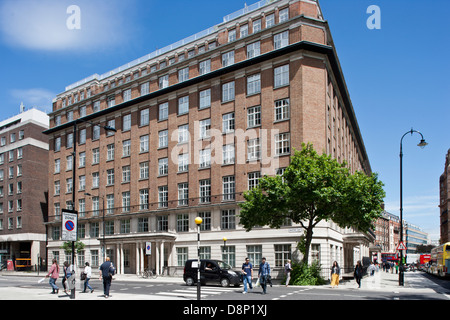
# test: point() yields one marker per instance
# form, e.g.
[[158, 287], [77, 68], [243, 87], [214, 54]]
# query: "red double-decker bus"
[[389, 257]]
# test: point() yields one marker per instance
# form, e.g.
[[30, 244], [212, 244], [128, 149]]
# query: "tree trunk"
[[308, 240]]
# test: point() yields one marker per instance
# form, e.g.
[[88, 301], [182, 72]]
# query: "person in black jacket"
[[358, 273], [106, 272]]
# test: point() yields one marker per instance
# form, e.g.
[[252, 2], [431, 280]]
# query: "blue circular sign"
[[70, 225]]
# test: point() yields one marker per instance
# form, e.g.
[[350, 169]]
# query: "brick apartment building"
[[198, 123], [444, 203], [23, 188]]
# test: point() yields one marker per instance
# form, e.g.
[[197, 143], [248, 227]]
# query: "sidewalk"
[[389, 282], [381, 281]]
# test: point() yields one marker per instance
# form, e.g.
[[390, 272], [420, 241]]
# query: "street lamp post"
[[422, 144], [198, 222], [74, 166]]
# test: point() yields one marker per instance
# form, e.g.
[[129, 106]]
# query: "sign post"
[[69, 233]]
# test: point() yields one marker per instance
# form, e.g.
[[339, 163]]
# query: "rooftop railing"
[[171, 47]]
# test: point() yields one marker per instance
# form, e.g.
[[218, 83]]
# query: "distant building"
[[444, 203], [387, 232], [415, 236], [23, 187]]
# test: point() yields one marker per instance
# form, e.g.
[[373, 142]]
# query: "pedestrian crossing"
[[191, 292]]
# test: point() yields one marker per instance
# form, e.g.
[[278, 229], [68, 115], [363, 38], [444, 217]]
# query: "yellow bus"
[[440, 260]]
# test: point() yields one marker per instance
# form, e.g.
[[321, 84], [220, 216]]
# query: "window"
[[282, 254], [282, 144], [143, 170], [254, 117], [284, 15], [69, 140], [126, 148], [253, 149], [109, 204], [204, 67], [144, 140], [111, 101], [127, 95], [183, 74], [228, 155], [109, 228], [183, 222], [145, 88], [205, 99], [163, 197], [205, 126], [182, 256], [126, 122], [57, 188], [183, 105], [163, 81], [228, 219], [244, 30], [163, 166], [125, 228], [253, 179], [228, 185], [126, 201], [57, 144], [95, 132], [281, 76], [143, 225], [82, 136], [228, 91], [69, 185], [183, 162], [110, 152], [183, 194], [163, 111], [143, 199], [254, 253], [82, 182], [144, 117], [110, 177], [256, 25], [282, 109], [163, 139], [183, 133], [254, 84], [231, 35], [228, 59], [205, 191], [228, 122], [205, 158], [126, 174], [281, 40], [95, 180], [163, 223], [270, 20], [206, 224]]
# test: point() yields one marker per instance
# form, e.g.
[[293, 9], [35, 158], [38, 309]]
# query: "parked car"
[[211, 272]]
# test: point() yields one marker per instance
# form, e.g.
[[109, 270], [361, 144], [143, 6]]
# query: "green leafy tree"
[[67, 246], [312, 189]]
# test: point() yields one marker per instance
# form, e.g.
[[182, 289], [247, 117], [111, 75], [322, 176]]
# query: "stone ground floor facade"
[[163, 242]]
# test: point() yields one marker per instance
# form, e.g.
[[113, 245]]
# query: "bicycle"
[[148, 273]]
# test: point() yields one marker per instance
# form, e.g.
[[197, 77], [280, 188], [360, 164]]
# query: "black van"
[[211, 272]]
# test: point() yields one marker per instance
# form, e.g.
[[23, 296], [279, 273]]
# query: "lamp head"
[[422, 143], [198, 221]]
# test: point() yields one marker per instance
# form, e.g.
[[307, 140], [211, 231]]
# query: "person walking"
[[287, 270], [88, 275], [106, 272], [67, 274], [247, 273], [358, 273], [335, 274], [54, 275], [264, 274]]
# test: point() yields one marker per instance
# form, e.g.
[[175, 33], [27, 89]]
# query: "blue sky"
[[397, 76]]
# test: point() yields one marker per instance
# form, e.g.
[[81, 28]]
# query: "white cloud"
[[35, 97], [44, 24]]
